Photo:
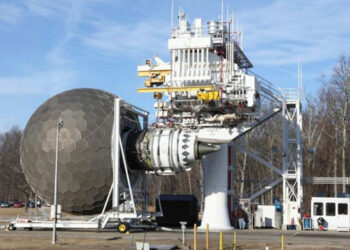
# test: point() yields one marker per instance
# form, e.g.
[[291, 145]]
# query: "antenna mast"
[[227, 10], [172, 16], [222, 11], [300, 79], [241, 37], [237, 31]]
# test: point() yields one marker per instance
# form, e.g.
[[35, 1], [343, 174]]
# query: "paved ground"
[[247, 239]]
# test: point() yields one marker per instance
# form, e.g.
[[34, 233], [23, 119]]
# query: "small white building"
[[335, 212]]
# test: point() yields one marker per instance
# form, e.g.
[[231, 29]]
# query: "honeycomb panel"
[[85, 165]]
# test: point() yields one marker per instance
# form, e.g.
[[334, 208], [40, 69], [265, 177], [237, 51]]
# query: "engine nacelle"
[[166, 151]]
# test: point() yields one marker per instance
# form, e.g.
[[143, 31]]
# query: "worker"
[[234, 219], [240, 216], [321, 223]]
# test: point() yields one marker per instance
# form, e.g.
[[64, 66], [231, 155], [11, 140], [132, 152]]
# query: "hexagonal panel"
[[85, 166]]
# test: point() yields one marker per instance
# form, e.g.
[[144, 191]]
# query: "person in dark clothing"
[[234, 221], [241, 220], [246, 220]]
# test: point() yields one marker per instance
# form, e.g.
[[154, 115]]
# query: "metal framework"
[[327, 180], [291, 171], [240, 58], [292, 158]]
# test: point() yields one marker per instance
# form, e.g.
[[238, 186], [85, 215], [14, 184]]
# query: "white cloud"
[[48, 8], [106, 37], [9, 13], [278, 33], [57, 53], [285, 31], [37, 83], [58, 76], [70, 12], [130, 39]]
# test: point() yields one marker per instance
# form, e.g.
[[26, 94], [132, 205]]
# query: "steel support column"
[[116, 155], [292, 161]]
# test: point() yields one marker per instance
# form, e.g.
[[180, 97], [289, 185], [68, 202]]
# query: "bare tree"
[[341, 79], [13, 183]]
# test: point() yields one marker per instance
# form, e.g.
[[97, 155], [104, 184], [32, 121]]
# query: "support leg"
[[215, 183]]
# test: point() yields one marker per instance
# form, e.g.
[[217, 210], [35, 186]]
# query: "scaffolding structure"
[[290, 173], [292, 176]]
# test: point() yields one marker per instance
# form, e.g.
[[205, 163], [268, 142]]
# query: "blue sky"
[[48, 46]]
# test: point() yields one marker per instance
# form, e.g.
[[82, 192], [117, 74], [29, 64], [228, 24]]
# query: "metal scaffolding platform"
[[291, 171]]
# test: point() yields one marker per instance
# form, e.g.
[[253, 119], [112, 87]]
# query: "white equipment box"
[[267, 217]]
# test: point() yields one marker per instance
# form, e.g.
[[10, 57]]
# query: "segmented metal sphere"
[[84, 162]]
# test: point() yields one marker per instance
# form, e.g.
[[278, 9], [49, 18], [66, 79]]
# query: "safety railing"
[[218, 29], [292, 94], [269, 88]]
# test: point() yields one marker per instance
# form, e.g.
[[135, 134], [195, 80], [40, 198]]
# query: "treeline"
[[13, 185], [326, 126]]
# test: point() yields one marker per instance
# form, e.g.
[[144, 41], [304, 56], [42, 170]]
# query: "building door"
[[343, 216]]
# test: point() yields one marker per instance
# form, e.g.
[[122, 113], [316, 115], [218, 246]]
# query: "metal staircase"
[[260, 188]]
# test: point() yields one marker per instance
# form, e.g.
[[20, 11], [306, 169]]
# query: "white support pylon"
[[215, 188]]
